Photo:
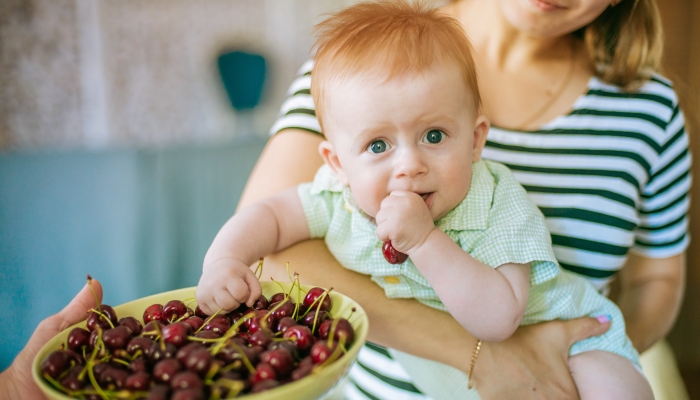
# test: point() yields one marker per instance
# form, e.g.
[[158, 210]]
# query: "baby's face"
[[418, 133]]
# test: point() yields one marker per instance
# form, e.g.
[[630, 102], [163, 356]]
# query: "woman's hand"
[[17, 381], [532, 364]]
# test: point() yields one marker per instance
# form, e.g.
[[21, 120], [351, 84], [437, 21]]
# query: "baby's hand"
[[225, 284], [405, 219]]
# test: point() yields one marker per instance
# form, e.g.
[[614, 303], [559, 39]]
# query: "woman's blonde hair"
[[625, 43]]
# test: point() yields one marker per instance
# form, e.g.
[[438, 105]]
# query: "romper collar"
[[473, 212]]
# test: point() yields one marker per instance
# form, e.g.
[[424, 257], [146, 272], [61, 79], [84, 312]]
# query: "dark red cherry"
[[277, 297], [117, 338], [186, 350], [343, 329], [391, 255], [133, 324], [56, 363], [139, 343], [138, 365], [219, 324], [188, 394], [201, 314], [154, 312], [159, 392], [78, 338], [153, 329], [301, 335], [157, 352], [94, 319], [280, 359], [194, 322], [261, 303], [174, 309], [285, 323], [285, 309], [199, 361], [72, 381], [260, 338], [320, 351], [186, 380], [312, 318], [138, 381], [314, 294], [263, 371], [262, 386], [207, 335], [113, 378], [303, 368], [176, 333], [166, 369]]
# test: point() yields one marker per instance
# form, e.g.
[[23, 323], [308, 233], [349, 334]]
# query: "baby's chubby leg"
[[601, 375]]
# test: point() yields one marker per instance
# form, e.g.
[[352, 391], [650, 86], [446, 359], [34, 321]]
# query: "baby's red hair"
[[388, 39]]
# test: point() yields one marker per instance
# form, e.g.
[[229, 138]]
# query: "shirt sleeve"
[[663, 211], [298, 110], [320, 199], [516, 232]]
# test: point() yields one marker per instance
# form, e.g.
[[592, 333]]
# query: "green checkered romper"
[[496, 223]]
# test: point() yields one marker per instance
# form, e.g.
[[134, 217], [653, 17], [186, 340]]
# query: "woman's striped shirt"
[[611, 176]]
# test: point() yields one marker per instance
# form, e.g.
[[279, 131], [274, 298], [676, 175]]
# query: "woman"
[[597, 140]]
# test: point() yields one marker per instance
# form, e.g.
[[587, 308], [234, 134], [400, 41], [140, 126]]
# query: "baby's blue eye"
[[378, 146], [434, 136]]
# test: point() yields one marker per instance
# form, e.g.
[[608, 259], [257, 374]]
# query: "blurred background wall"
[[121, 155], [681, 19]]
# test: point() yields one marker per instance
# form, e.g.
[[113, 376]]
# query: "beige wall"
[[93, 74], [682, 63]]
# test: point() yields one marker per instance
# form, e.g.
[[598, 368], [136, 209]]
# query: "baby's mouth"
[[427, 198]]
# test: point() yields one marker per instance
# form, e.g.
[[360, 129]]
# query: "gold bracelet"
[[472, 362]]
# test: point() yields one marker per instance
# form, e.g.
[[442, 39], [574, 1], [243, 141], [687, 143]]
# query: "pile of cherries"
[[185, 354]]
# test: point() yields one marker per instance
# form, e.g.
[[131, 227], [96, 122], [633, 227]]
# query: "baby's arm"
[[262, 228], [487, 302]]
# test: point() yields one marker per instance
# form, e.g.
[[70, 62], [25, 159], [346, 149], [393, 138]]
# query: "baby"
[[396, 94]]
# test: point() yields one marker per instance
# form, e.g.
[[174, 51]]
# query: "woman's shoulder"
[[657, 89]]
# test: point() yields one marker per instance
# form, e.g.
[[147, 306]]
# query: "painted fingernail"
[[603, 319]]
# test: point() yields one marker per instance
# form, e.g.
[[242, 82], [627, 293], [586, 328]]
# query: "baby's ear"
[[481, 130], [330, 157]]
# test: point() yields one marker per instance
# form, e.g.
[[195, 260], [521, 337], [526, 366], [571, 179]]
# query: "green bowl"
[[311, 387]]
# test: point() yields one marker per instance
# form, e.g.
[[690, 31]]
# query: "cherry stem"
[[259, 267], [91, 375], [102, 315], [231, 332], [206, 321], [331, 334], [92, 289], [281, 287], [244, 358], [57, 385], [318, 307]]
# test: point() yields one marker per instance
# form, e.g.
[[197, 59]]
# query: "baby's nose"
[[409, 164]]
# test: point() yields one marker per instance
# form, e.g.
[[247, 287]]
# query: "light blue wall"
[[138, 220]]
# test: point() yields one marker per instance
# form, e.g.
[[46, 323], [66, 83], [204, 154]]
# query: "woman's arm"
[[534, 359], [650, 296]]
